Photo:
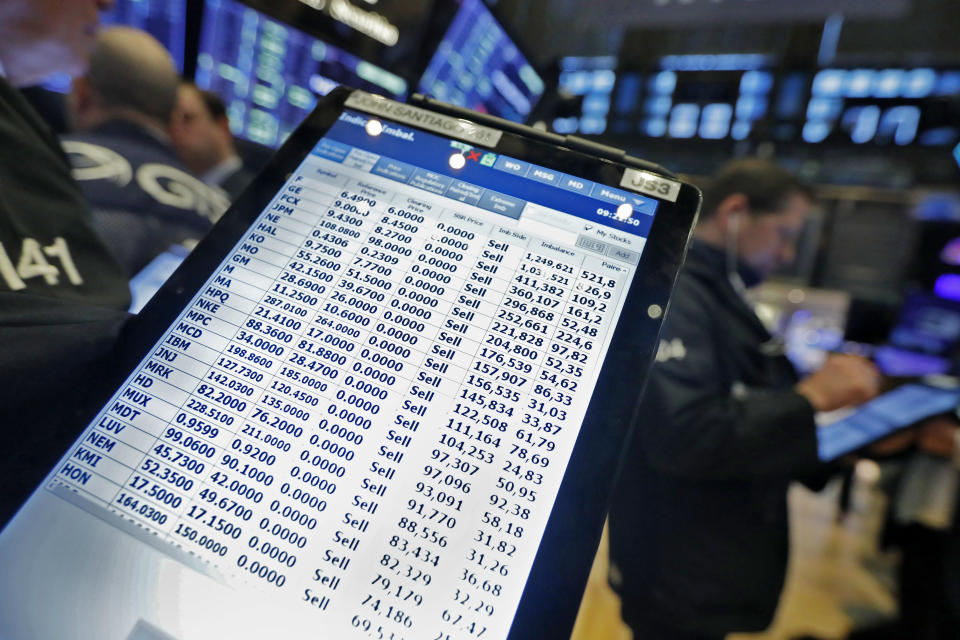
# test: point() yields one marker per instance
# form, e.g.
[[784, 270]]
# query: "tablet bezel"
[[565, 554]]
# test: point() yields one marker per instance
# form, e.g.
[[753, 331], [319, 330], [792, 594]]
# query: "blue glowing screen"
[[165, 20], [269, 74], [478, 66], [878, 106]]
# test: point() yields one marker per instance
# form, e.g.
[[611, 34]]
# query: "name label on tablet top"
[[405, 113], [650, 184]]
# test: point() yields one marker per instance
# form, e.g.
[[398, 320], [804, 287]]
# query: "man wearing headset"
[[699, 521]]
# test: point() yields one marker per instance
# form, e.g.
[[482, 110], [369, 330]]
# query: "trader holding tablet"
[[383, 398], [699, 523]]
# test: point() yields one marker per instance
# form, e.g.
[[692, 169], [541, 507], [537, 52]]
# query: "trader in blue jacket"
[[698, 526]]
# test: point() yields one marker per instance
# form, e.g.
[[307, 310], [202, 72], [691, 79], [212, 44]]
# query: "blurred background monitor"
[[387, 33], [927, 324], [591, 80], [479, 66], [165, 20], [869, 247], [809, 322], [875, 106], [269, 74]]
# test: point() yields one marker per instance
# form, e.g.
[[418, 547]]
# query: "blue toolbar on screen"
[[478, 66], [490, 181], [269, 74]]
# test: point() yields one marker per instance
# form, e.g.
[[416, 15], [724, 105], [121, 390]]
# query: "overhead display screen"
[[738, 96], [269, 74], [593, 78], [364, 414], [479, 66], [684, 103], [893, 106], [165, 20]]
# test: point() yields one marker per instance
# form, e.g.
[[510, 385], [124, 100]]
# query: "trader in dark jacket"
[[144, 200], [200, 131], [62, 296], [699, 521]]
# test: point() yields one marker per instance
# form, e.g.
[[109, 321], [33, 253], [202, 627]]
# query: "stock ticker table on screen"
[[418, 318], [269, 74]]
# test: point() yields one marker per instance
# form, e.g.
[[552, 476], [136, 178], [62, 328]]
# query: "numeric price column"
[[387, 329], [452, 291], [516, 344]]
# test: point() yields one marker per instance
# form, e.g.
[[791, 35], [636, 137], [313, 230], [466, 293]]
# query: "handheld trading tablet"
[[884, 415], [384, 398]]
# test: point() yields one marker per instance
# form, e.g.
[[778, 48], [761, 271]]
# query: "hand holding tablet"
[[884, 415], [384, 398], [844, 380]]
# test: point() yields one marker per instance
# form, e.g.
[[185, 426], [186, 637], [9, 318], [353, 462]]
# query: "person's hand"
[[894, 443], [844, 380], [936, 437]]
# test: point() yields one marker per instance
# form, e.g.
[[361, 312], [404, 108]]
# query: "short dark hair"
[[767, 186], [213, 103]]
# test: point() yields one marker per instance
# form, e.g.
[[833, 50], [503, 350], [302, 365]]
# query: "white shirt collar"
[[222, 171]]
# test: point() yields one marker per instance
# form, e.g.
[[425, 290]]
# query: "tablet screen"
[[882, 416], [367, 409]]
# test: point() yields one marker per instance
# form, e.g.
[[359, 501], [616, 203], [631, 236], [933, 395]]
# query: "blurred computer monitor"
[[937, 257], [927, 324], [479, 66], [165, 20], [269, 73], [149, 280], [922, 341], [810, 322]]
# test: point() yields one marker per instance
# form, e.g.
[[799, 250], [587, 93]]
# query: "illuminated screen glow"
[[359, 424], [478, 66], [165, 20], [269, 74], [947, 286]]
